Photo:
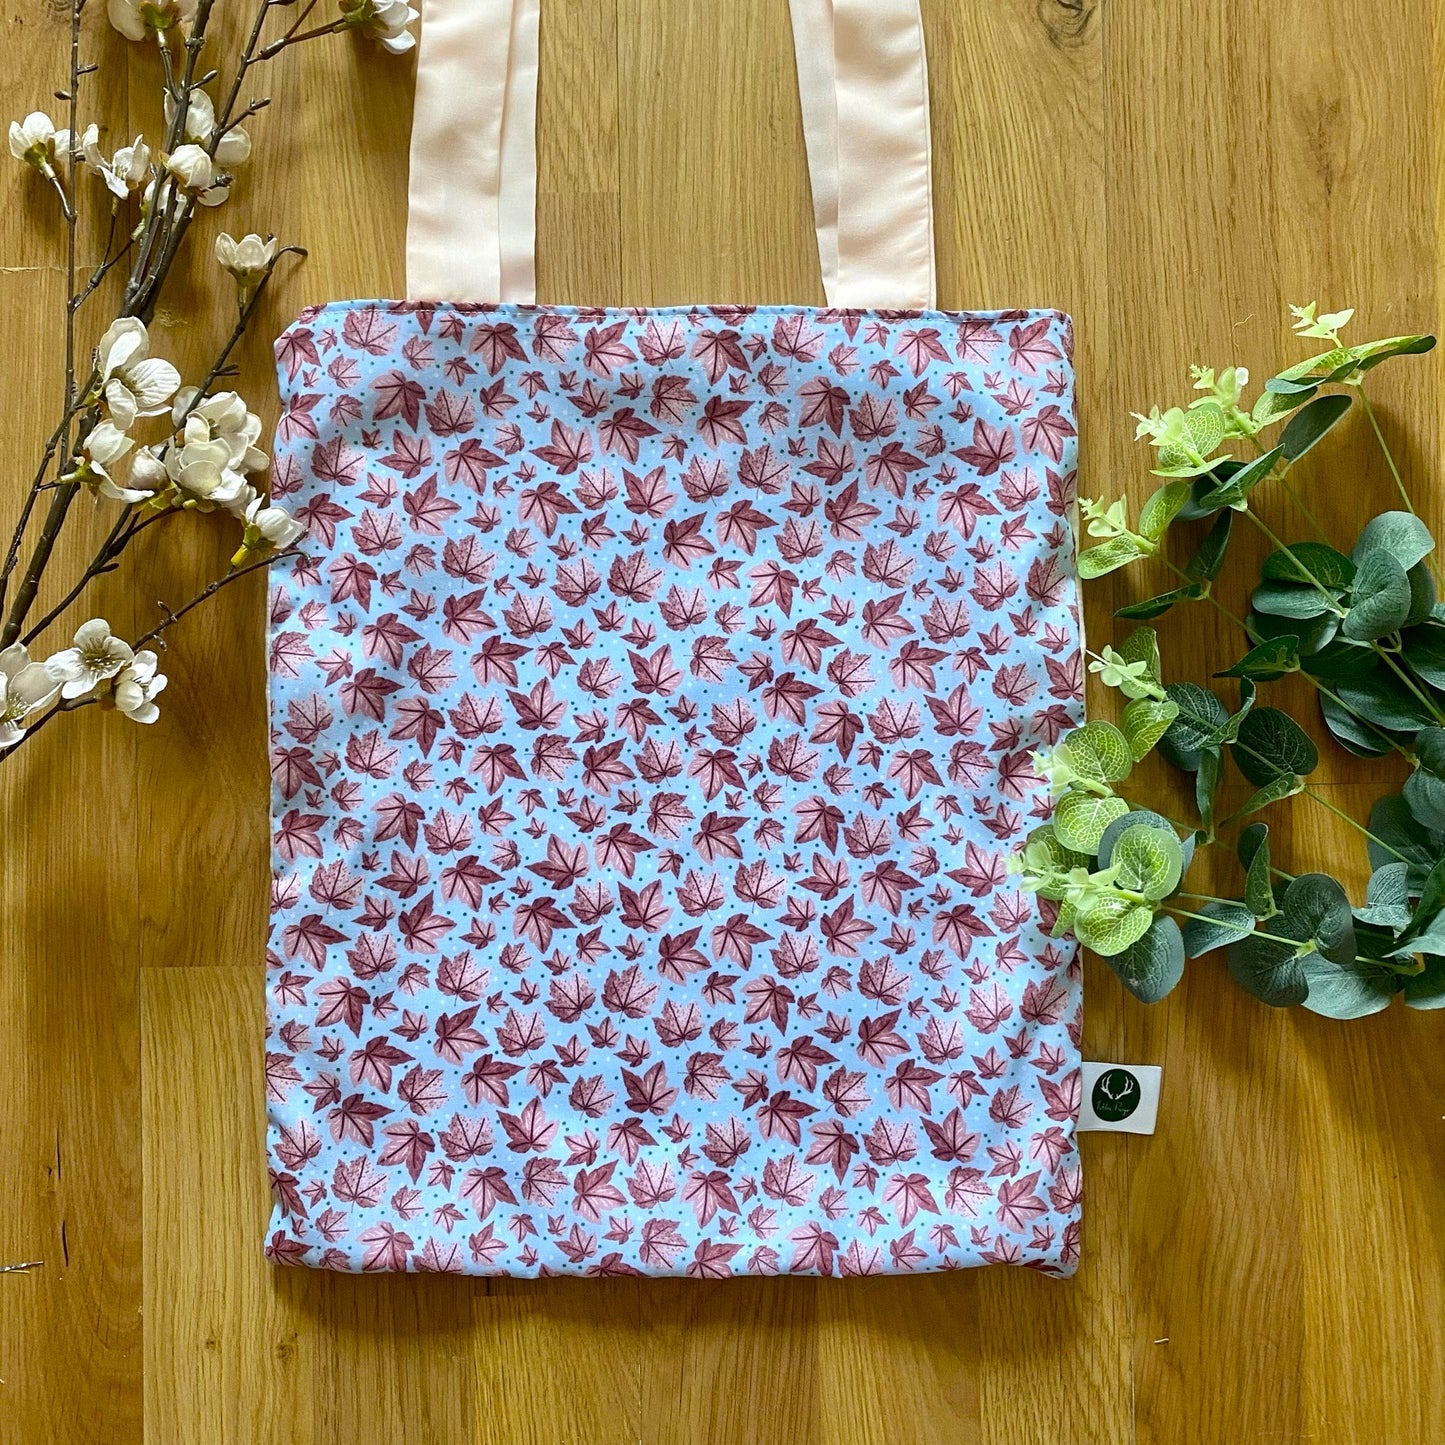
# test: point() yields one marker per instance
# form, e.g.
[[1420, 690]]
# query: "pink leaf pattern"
[[651, 718]]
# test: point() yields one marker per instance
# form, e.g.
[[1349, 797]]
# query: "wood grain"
[[1267, 1267]]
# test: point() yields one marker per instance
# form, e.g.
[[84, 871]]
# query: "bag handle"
[[863, 85]]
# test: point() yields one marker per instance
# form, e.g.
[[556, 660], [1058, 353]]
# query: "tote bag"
[[651, 716]]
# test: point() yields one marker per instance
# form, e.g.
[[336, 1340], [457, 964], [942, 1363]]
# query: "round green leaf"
[[1112, 924], [1205, 424], [1353, 735], [1303, 560], [1228, 923], [1109, 557], [1268, 970], [1387, 898], [1137, 818], [1348, 990], [1406, 840], [1424, 652], [1162, 507], [1422, 594], [1295, 600], [1201, 714], [1142, 645], [1310, 423], [1099, 751], [1148, 861], [1145, 721], [1379, 695], [1313, 634], [1380, 600], [1424, 793], [1401, 534], [1152, 965], [1316, 909], [1270, 744], [1080, 819]]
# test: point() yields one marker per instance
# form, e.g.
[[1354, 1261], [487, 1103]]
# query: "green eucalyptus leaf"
[[1372, 353], [1315, 916], [1202, 486], [1313, 634], [1064, 919], [1310, 423], [1316, 908], [1380, 600], [1205, 424], [1347, 990], [1109, 557], [1147, 861], [1206, 784], [1387, 898], [1228, 923], [1351, 734], [1144, 722], [1382, 697], [1424, 652], [1208, 558], [1424, 794], [1315, 369], [1340, 658], [1162, 507], [1152, 965], [1422, 594], [1098, 751], [1139, 817], [1142, 645], [1235, 492], [1430, 749], [1201, 713], [1402, 534], [1158, 605], [1300, 601], [1270, 660], [1427, 989], [1080, 819], [1272, 743], [1253, 851], [1432, 900], [1302, 561], [1397, 836], [1112, 924], [1284, 786], [1270, 406]]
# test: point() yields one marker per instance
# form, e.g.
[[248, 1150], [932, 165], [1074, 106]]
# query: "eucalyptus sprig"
[[1366, 629]]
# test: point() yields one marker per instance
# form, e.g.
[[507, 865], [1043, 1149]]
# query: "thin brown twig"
[[174, 615]]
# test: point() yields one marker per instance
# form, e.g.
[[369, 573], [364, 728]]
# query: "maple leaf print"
[[743, 712]]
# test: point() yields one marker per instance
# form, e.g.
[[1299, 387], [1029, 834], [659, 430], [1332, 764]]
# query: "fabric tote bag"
[[651, 717]]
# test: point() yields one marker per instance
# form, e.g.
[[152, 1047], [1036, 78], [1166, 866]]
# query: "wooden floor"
[[1267, 1268]]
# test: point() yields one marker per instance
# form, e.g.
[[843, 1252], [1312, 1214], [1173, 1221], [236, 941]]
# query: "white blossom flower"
[[191, 166], [25, 687], [248, 259], [268, 528], [97, 656], [137, 19], [136, 686], [35, 142], [227, 419], [136, 384], [125, 171], [104, 446], [233, 149], [386, 21]]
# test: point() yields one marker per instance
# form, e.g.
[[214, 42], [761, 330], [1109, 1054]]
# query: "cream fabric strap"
[[863, 83]]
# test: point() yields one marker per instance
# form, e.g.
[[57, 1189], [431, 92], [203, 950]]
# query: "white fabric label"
[[1119, 1098]]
